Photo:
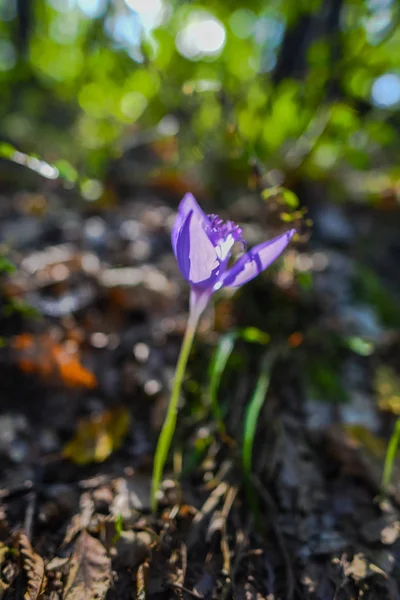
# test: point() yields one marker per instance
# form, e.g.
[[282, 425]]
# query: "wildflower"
[[203, 247]]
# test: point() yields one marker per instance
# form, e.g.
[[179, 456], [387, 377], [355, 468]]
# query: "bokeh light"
[[150, 12], [93, 9], [7, 55], [202, 35], [386, 90]]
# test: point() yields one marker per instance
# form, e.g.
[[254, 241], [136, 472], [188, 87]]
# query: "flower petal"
[[187, 205], [256, 260], [196, 254]]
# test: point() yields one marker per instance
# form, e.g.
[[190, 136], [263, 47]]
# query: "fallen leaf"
[[4, 550], [357, 568], [81, 520], [56, 564], [367, 440], [387, 385], [89, 575], [42, 355], [3, 588], [98, 436], [132, 494], [72, 372], [359, 451], [34, 569]]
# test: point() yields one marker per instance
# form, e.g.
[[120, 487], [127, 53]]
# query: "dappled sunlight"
[[203, 35], [199, 299]]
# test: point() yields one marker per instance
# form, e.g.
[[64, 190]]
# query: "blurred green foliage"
[[309, 87]]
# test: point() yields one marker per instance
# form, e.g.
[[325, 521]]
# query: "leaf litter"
[[34, 569], [89, 574], [81, 388]]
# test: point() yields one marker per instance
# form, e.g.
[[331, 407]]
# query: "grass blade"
[[250, 428], [253, 412], [390, 456], [220, 359]]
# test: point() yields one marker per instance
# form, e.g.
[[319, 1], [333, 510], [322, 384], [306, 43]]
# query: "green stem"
[[168, 428]]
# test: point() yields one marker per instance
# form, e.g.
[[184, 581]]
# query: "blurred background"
[[309, 88], [276, 113]]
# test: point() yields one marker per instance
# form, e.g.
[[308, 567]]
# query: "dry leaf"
[[34, 569], [4, 550], [366, 440], [357, 568], [89, 574], [82, 520], [42, 355], [387, 385], [132, 494], [98, 436], [56, 564], [3, 588], [344, 445]]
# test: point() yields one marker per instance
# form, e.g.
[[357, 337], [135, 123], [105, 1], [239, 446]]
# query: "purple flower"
[[202, 246]]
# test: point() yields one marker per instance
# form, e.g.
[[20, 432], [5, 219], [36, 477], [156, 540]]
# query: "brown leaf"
[[89, 574], [34, 569], [3, 588], [98, 436], [50, 360]]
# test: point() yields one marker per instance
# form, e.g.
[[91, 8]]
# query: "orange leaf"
[[42, 355]]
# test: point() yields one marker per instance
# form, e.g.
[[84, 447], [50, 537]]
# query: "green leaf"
[[254, 335], [270, 192], [290, 198], [220, 359], [6, 266], [119, 527], [359, 345], [253, 412], [305, 280], [6, 150], [390, 456], [250, 427], [66, 170]]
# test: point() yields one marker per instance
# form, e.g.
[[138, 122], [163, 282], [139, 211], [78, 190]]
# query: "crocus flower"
[[202, 245]]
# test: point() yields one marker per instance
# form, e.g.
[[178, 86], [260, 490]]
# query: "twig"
[[229, 500], [182, 588], [20, 488], [208, 507]]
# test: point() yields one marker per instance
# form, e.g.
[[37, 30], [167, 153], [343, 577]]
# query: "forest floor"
[[92, 320]]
